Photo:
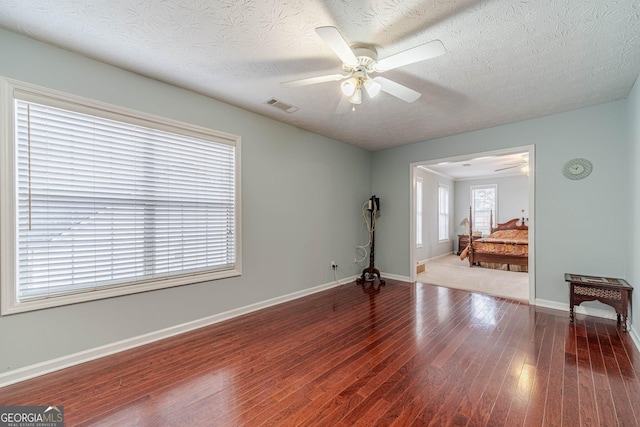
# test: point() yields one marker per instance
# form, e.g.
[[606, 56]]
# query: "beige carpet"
[[450, 272]]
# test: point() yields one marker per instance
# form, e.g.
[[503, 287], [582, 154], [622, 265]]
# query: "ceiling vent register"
[[281, 105]]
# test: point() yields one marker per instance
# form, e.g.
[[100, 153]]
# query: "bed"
[[507, 247]]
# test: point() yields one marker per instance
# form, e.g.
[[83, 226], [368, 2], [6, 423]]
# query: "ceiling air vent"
[[281, 105]]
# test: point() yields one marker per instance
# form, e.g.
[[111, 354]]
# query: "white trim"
[[413, 173], [398, 277], [589, 311], [532, 223], [10, 306], [633, 333], [7, 199], [46, 367], [433, 258], [65, 100]]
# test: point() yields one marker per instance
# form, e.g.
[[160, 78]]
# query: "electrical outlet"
[[334, 265]]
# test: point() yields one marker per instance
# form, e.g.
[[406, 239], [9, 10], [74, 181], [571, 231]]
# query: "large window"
[[419, 212], [443, 212], [484, 200], [100, 201]]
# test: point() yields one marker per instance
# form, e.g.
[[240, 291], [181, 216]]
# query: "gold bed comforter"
[[504, 242]]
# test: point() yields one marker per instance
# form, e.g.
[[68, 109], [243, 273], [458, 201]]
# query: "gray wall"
[[432, 247], [580, 226], [301, 208], [633, 197]]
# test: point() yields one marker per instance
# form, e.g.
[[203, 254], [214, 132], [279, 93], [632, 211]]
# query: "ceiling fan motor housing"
[[367, 58]]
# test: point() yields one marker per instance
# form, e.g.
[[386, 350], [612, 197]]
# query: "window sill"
[[12, 307]]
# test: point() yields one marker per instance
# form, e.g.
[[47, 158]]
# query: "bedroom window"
[[443, 212], [484, 200], [100, 201], [419, 182]]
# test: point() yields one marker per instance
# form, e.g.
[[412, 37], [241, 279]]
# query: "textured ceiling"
[[506, 60]]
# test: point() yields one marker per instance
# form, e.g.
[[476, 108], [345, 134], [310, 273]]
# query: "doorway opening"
[[437, 230]]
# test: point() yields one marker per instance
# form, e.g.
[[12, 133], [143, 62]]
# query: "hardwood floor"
[[403, 354]]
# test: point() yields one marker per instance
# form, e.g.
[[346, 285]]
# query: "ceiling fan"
[[523, 163], [361, 62], [519, 165], [524, 168]]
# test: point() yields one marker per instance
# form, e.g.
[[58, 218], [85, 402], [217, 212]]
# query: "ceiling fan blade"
[[409, 56], [397, 90], [510, 167], [313, 80], [338, 44], [344, 106]]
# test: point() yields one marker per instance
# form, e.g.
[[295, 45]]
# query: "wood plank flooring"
[[403, 355]]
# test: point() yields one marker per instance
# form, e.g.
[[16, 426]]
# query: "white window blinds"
[[443, 212], [483, 199], [103, 203], [419, 218]]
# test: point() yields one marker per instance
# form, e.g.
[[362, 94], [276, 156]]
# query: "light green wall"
[[580, 226], [301, 208], [513, 197]]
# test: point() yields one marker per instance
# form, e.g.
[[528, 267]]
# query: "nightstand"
[[463, 242]]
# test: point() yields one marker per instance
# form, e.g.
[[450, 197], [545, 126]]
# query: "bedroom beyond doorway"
[[449, 271]]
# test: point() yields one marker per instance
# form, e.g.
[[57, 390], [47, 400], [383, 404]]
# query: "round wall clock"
[[577, 168]]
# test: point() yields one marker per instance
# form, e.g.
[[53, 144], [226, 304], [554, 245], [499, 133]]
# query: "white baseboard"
[[589, 311], [42, 368], [633, 333], [437, 257], [396, 277], [440, 256]]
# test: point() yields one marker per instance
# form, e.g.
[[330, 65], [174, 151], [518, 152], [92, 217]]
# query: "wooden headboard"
[[512, 224]]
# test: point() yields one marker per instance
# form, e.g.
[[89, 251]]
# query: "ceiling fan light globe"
[[356, 98], [348, 87], [372, 88]]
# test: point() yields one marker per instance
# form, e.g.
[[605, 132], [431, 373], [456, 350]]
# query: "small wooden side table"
[[613, 292], [463, 242]]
